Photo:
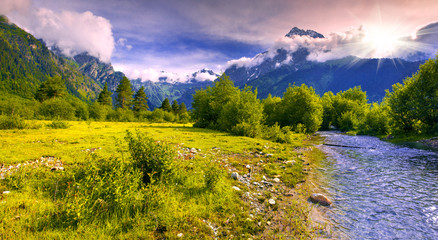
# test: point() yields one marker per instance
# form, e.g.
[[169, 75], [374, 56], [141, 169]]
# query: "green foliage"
[[54, 87], [346, 110], [98, 111], [271, 109], [12, 122], [124, 94], [278, 134], [57, 108], [413, 104], [175, 107], [58, 125], [225, 107], [165, 105], [377, 120], [155, 160], [15, 105], [182, 109], [140, 101], [121, 115], [105, 96], [301, 109]]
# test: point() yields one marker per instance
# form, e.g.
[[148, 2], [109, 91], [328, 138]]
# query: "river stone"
[[271, 201], [235, 175], [236, 188], [321, 199], [277, 180]]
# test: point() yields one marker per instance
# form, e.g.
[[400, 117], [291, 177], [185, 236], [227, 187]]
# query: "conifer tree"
[[124, 93], [140, 100], [175, 107], [52, 88], [105, 96], [165, 105], [182, 108]]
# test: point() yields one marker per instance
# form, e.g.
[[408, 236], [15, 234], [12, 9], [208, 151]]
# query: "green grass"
[[101, 195]]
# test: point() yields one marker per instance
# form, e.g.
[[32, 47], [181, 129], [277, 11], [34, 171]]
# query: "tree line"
[[410, 108]]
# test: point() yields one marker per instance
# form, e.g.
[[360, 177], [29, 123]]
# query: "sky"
[[144, 37]]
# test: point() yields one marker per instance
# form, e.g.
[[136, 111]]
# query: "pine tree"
[[140, 100], [175, 107], [182, 108], [105, 96], [165, 105], [52, 88], [124, 93]]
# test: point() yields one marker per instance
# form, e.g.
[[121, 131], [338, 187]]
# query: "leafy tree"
[[54, 87], [301, 109], [165, 105], [328, 113], [414, 103], [124, 93], [175, 107], [208, 104], [140, 100], [347, 107], [105, 96], [270, 109]]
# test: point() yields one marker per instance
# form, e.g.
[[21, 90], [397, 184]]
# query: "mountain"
[[175, 87], [26, 62], [274, 70]]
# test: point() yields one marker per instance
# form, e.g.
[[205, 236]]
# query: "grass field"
[[101, 193]]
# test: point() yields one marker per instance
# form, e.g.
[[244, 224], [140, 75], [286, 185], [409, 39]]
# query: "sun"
[[381, 42]]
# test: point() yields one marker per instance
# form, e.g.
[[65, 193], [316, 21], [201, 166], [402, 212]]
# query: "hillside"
[[26, 62]]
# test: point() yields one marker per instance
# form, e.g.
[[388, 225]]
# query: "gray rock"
[[235, 175], [277, 180], [269, 155], [236, 188]]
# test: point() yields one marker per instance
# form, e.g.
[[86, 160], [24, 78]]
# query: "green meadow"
[[100, 180]]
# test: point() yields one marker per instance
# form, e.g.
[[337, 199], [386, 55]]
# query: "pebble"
[[268, 222], [6, 192], [180, 235], [271, 201], [321, 199], [269, 155], [277, 180], [236, 188]]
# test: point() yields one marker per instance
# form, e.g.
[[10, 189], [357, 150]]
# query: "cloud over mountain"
[[73, 32]]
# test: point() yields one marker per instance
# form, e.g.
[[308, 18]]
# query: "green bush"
[[246, 129], [155, 160], [58, 125], [157, 115], [121, 115], [56, 108], [12, 122], [99, 111], [277, 134], [169, 117]]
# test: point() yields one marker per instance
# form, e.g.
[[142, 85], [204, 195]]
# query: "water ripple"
[[380, 190]]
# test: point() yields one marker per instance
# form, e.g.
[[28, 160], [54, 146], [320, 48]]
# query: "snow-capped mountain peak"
[[300, 32]]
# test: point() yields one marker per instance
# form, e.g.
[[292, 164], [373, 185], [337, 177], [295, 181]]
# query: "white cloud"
[[8, 6], [72, 32], [352, 42]]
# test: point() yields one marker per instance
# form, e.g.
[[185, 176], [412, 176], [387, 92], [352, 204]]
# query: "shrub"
[[213, 176], [246, 129], [57, 109], [169, 117], [58, 125], [155, 160], [157, 115], [12, 122], [99, 111]]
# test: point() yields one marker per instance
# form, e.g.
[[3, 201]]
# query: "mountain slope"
[[26, 62], [274, 70]]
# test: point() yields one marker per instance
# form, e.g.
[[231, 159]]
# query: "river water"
[[380, 190]]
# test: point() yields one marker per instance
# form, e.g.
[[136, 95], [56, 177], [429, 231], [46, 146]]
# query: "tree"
[[105, 96], [140, 101], [175, 107], [124, 93], [182, 108], [165, 105], [414, 103], [54, 87], [301, 109]]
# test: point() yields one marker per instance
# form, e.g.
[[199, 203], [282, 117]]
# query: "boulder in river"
[[321, 199]]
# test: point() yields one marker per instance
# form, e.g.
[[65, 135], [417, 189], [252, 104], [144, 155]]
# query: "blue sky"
[[183, 36]]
